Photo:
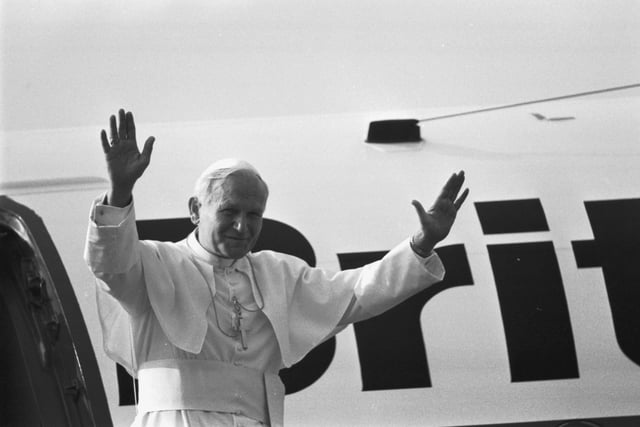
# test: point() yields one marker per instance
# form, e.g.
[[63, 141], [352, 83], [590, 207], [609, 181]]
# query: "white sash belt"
[[210, 385]]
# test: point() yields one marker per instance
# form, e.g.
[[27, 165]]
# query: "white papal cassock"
[[169, 314]]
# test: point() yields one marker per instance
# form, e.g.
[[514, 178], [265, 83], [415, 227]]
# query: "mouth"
[[237, 239]]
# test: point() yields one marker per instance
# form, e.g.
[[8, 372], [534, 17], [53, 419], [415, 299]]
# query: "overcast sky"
[[71, 63]]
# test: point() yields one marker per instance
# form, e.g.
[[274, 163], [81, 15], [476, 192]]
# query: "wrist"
[[421, 246], [119, 198]]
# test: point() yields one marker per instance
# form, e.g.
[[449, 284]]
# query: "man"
[[204, 323]]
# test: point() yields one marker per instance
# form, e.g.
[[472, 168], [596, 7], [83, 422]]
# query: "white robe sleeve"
[[386, 283], [112, 252], [317, 303]]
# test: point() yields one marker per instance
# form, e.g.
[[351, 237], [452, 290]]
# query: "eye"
[[227, 211]]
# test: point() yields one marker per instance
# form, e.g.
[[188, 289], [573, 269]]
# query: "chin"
[[235, 253], [236, 249]]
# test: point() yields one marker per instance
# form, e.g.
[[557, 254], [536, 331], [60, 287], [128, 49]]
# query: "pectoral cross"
[[237, 322]]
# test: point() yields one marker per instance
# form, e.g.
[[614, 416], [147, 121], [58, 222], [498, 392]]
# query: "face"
[[230, 223]]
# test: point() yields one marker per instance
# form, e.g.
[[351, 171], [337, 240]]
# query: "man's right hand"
[[125, 163]]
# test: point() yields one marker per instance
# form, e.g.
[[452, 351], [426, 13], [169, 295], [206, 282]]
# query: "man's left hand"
[[437, 221]]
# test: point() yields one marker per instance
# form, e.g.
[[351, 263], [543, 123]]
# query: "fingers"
[[148, 147], [419, 208], [114, 130], [122, 129], [452, 187], [125, 130], [455, 185], [105, 142], [130, 126], [448, 188], [458, 203]]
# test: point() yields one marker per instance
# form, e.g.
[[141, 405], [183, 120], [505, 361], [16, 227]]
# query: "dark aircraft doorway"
[[48, 372]]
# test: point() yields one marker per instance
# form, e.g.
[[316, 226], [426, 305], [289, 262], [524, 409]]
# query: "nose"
[[240, 223]]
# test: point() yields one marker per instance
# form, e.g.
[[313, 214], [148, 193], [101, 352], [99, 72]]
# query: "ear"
[[194, 209]]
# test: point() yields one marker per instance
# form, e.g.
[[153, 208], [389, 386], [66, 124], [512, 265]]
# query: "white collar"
[[215, 260], [242, 264]]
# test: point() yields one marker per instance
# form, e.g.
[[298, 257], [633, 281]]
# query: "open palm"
[[125, 163], [436, 223]]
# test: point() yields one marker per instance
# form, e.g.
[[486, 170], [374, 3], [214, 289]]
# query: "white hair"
[[218, 171]]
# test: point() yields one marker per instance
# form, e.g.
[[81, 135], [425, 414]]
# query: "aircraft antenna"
[[537, 101], [408, 130]]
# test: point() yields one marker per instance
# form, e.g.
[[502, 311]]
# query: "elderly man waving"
[[205, 324]]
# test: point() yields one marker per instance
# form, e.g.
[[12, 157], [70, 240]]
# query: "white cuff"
[[104, 215]]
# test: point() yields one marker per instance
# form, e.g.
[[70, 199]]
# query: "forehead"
[[240, 188]]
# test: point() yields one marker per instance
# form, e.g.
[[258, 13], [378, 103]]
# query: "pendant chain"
[[237, 310]]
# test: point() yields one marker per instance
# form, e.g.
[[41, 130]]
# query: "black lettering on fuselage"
[[531, 294], [616, 249], [391, 349]]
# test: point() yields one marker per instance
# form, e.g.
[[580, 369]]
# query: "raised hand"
[[125, 163], [436, 223]]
